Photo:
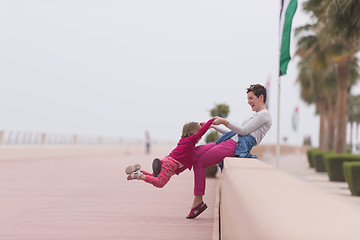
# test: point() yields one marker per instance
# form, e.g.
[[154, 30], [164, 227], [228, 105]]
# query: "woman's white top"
[[257, 126]]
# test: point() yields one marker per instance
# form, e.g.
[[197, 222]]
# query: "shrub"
[[352, 176], [309, 157], [212, 136], [348, 148], [334, 165], [318, 160], [220, 110]]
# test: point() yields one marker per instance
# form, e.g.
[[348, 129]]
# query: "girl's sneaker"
[[132, 175], [133, 168]]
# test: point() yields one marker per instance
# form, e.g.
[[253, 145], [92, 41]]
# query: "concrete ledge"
[[258, 202]]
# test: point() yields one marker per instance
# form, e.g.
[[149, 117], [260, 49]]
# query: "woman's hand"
[[217, 121], [220, 120]]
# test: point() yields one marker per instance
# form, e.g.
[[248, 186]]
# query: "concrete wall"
[[258, 202]]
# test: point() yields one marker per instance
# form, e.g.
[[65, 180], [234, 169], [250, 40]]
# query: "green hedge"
[[318, 160], [352, 176], [309, 156], [334, 165]]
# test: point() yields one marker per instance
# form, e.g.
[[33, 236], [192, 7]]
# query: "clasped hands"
[[220, 120]]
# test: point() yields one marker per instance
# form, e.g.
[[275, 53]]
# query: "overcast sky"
[[119, 68]]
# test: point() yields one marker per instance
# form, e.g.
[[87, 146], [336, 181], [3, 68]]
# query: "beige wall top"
[[261, 202]]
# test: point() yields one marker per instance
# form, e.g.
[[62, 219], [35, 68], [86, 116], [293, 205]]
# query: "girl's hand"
[[218, 121]]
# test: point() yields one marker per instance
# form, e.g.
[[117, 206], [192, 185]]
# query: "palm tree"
[[332, 44], [343, 20], [317, 78], [220, 110], [314, 44], [313, 91]]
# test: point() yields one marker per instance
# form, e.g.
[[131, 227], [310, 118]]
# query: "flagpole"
[[278, 127], [287, 11], [278, 102]]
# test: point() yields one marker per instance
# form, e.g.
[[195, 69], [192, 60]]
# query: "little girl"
[[177, 161]]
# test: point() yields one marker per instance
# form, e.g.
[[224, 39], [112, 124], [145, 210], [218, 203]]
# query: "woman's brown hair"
[[258, 90]]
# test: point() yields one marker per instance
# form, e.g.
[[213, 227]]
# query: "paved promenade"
[[295, 163], [82, 194], [88, 197]]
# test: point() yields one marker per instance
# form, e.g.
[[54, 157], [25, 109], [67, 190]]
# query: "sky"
[[120, 68]]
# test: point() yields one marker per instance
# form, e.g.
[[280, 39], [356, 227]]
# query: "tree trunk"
[[351, 134], [323, 125], [331, 124], [343, 72]]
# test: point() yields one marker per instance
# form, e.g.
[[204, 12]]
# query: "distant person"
[[181, 158], [235, 143], [147, 142]]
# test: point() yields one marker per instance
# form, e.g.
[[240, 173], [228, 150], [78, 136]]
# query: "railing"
[[26, 144], [13, 137]]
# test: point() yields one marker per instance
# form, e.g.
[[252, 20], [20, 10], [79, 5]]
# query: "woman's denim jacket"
[[243, 145]]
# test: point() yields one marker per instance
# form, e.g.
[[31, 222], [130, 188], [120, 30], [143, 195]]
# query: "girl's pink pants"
[[168, 168], [208, 155]]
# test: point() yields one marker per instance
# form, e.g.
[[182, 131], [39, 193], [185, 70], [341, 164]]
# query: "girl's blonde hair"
[[190, 129]]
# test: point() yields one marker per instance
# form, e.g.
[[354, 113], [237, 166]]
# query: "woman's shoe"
[[196, 211], [156, 166], [133, 168]]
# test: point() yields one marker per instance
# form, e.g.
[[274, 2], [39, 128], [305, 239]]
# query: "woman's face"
[[254, 101]]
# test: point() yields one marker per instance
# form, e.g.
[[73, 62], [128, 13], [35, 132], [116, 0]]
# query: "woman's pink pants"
[[208, 155]]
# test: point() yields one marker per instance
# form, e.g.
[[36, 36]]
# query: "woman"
[[237, 142]]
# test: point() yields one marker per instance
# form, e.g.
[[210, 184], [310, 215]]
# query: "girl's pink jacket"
[[184, 151]]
